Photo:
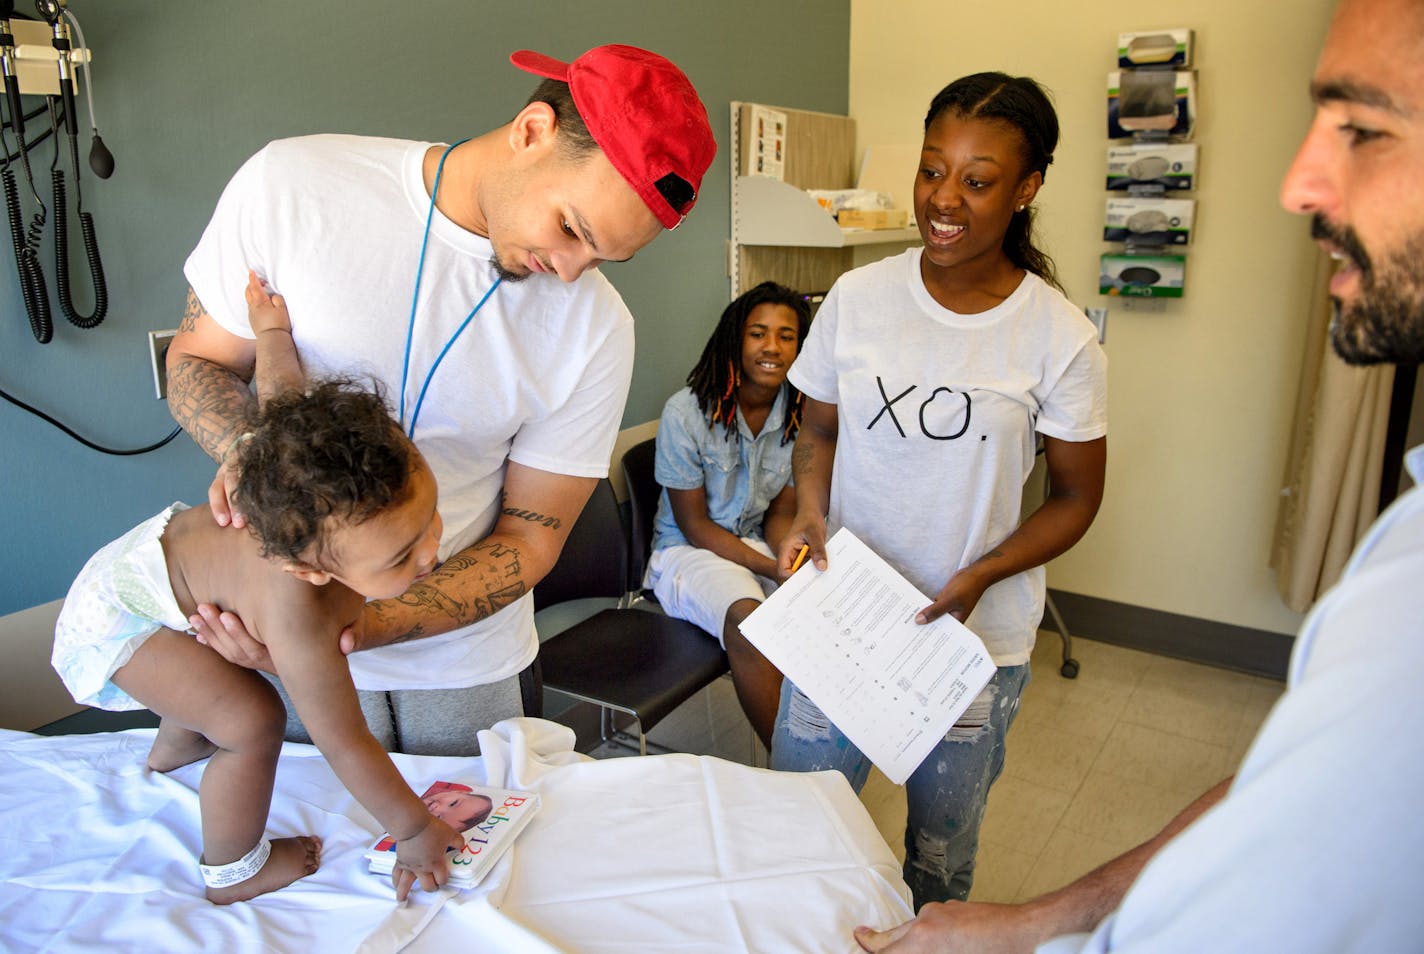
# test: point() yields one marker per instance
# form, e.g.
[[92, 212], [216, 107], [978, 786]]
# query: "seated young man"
[[724, 460]]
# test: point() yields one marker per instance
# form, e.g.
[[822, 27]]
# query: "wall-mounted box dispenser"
[[1148, 221], [1162, 102], [1164, 48], [1142, 276], [1170, 165]]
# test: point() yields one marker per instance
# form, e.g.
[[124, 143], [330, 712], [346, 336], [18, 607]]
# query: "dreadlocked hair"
[[332, 451], [1021, 103], [718, 373]]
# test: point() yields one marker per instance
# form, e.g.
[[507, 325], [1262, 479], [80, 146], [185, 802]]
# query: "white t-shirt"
[[938, 413], [539, 375], [1317, 846]]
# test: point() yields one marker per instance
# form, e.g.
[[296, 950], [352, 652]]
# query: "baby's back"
[[223, 566]]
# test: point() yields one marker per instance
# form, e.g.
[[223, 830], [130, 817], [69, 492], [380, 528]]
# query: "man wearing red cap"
[[463, 280]]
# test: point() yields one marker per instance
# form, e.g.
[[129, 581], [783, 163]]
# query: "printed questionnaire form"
[[848, 639]]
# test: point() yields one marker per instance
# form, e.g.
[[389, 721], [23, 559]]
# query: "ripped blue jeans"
[[946, 794]]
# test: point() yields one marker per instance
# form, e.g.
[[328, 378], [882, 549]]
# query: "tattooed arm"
[[208, 371], [536, 513]]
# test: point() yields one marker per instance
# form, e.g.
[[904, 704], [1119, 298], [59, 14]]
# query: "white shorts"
[[120, 599], [697, 585]]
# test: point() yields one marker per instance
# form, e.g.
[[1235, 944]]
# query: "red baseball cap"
[[645, 116]]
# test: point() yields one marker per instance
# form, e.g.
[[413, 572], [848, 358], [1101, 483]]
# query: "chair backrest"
[[594, 561], [643, 494]]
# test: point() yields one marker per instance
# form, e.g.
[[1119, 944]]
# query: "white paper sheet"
[[848, 639]]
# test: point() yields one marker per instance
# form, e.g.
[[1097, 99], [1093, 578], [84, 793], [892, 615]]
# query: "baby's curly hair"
[[331, 451]]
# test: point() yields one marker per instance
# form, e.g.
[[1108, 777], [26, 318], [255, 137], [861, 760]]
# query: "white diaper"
[[121, 597]]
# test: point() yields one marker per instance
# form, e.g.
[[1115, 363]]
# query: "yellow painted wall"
[[1202, 394]]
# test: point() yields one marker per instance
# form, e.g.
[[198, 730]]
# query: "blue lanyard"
[[415, 298]]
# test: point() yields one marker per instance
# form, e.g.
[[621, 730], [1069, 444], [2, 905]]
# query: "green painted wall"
[[184, 91]]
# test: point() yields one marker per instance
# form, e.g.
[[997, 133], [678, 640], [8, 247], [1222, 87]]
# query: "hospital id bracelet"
[[223, 876]]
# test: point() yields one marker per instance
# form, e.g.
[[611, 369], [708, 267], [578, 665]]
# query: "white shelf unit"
[[778, 231], [770, 212]]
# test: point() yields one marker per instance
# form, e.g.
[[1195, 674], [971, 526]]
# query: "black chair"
[[643, 495], [621, 659], [1070, 667], [594, 561], [644, 492]]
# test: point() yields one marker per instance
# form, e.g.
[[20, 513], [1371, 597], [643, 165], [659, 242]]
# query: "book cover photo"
[[490, 819]]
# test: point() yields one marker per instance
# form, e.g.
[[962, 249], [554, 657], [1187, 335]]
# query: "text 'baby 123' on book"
[[489, 818]]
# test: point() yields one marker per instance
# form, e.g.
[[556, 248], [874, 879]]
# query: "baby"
[[340, 508]]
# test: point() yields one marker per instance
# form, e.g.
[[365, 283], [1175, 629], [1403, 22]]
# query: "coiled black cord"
[[91, 251], [31, 272], [32, 281]]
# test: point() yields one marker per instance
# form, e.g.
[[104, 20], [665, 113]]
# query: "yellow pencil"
[[800, 558]]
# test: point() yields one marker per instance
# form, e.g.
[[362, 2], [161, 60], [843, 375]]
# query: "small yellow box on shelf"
[[873, 218]]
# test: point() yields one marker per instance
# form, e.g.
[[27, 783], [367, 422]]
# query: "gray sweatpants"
[[428, 721]]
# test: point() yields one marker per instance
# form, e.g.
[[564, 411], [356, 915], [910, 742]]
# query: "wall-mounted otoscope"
[[33, 289], [100, 159], [7, 58], [26, 70], [54, 14]]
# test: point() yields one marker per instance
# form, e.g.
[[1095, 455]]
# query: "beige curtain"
[[1331, 491]]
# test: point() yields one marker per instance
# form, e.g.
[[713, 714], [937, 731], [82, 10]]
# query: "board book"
[[490, 819]]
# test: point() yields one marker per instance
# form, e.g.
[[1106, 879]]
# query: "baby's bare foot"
[[291, 859], [175, 747]]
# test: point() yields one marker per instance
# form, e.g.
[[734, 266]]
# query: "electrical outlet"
[[158, 342]]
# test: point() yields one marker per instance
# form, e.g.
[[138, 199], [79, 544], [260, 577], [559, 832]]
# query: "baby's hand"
[[421, 858], [265, 312]]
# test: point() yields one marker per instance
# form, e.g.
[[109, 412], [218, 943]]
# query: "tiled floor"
[[1095, 764]]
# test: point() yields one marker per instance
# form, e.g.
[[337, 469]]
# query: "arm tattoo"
[[204, 398], [552, 523], [492, 581], [207, 401], [191, 310]]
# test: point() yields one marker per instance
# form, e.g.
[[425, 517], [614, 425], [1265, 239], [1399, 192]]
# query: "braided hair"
[[1022, 103], [718, 373]]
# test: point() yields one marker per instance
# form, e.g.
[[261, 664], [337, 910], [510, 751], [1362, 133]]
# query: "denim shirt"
[[740, 477]]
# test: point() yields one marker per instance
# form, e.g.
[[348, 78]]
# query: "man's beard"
[[1385, 322], [505, 275]]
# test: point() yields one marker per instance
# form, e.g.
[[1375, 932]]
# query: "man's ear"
[[307, 573], [534, 129]]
